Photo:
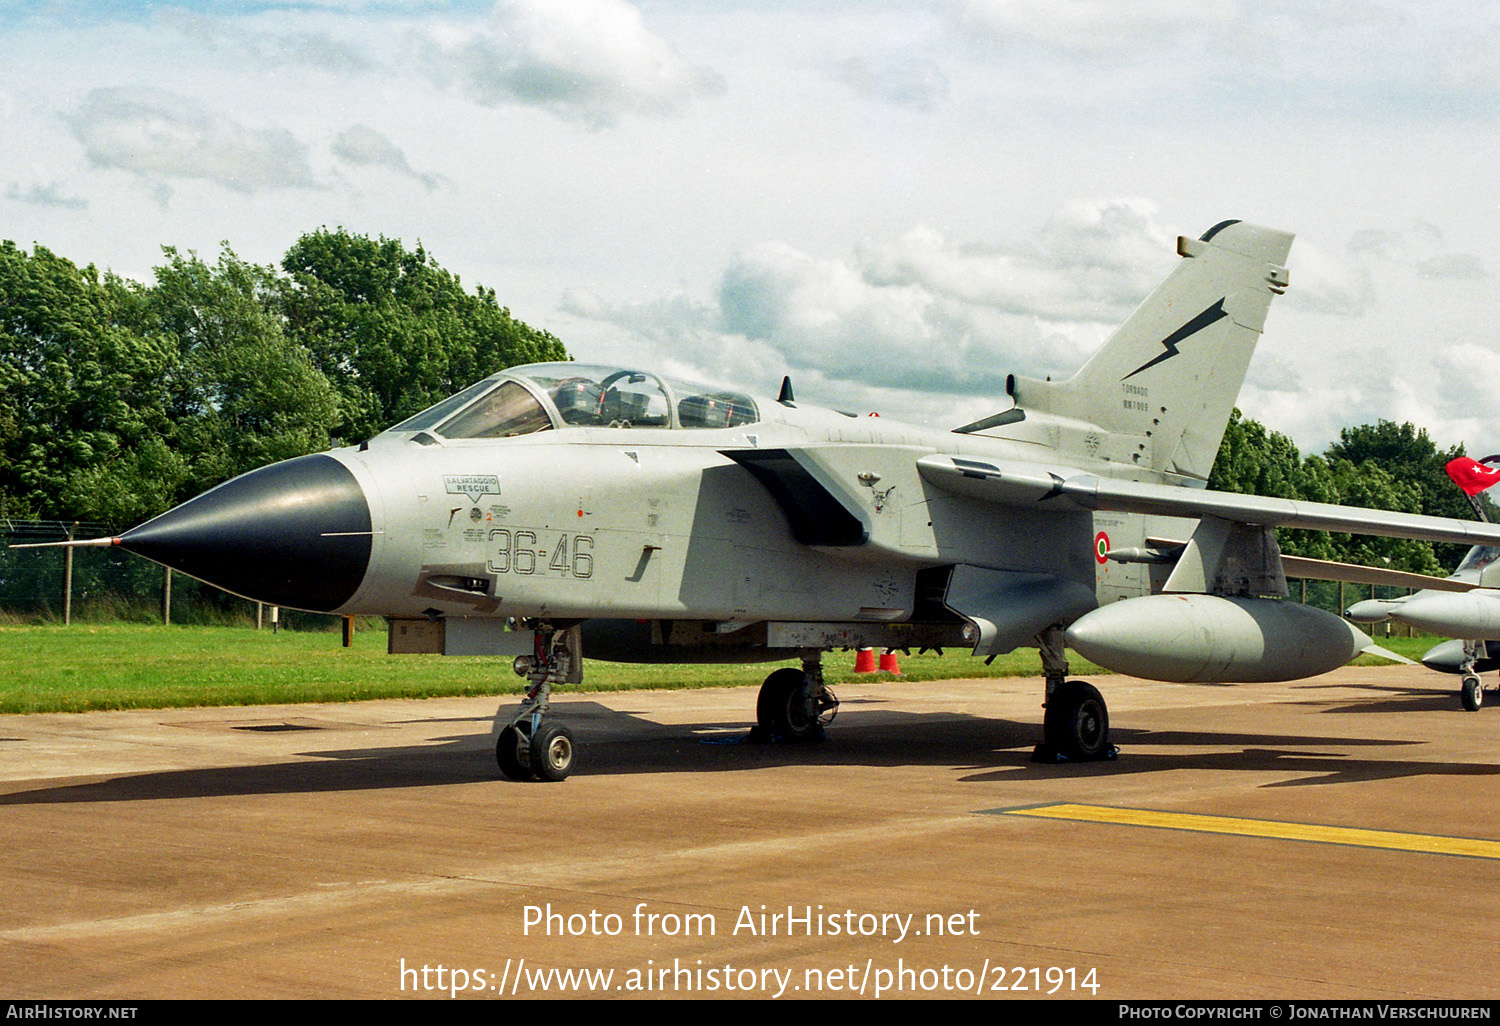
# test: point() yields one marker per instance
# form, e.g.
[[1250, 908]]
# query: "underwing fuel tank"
[[1373, 610], [1214, 639], [1475, 614], [1448, 657]]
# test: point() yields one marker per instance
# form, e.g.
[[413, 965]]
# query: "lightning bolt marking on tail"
[[1192, 327]]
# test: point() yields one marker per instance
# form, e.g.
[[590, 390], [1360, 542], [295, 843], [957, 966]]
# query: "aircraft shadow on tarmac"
[[618, 742], [1399, 699]]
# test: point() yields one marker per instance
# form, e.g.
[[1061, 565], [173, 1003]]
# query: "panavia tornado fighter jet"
[[1464, 606], [558, 510]]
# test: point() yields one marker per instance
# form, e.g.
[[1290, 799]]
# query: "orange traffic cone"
[[888, 661], [864, 660]]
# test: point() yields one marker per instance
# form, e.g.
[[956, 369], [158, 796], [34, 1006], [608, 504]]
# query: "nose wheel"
[[544, 754]]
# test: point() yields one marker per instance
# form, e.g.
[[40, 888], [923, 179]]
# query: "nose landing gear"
[[529, 745]]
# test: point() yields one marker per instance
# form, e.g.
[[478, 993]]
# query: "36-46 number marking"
[[517, 552]]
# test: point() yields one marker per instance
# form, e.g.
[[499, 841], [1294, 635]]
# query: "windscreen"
[[506, 411], [430, 416]]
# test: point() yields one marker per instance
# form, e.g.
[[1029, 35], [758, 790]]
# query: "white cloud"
[[312, 48], [1419, 246], [1090, 26], [1090, 261], [592, 61], [160, 136], [918, 313], [1328, 283], [363, 146], [49, 195], [1477, 367], [901, 80]]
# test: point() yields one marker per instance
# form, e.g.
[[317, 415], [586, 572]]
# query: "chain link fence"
[[60, 585]]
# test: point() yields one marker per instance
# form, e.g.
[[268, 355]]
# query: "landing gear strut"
[[1075, 727], [795, 705], [530, 746], [1471, 691]]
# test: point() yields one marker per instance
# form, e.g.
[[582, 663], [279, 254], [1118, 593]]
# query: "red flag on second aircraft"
[[1472, 476]]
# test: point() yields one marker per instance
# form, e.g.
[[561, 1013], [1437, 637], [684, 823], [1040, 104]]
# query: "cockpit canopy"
[[1477, 559], [539, 396]]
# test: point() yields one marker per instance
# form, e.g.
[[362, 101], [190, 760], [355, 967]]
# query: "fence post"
[[68, 578], [166, 599]]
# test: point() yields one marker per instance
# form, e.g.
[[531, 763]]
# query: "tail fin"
[[1158, 394]]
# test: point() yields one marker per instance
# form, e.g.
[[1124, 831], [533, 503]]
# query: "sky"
[[897, 204]]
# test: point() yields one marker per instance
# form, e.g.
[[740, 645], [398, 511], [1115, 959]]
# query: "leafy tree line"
[[1379, 466], [119, 399]]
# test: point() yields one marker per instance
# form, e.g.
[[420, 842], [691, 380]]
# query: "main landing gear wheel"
[[1076, 723], [791, 710], [1472, 693], [509, 753], [552, 752]]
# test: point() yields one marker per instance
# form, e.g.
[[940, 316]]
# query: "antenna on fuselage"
[[786, 398]]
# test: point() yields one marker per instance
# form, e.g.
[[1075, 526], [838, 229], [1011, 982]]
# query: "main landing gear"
[[530, 745], [795, 705], [1471, 690], [1075, 727]]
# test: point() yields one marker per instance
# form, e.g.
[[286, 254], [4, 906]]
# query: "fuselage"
[[538, 493], [664, 522]]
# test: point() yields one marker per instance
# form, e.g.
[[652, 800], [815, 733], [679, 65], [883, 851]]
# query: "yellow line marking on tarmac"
[[1468, 847]]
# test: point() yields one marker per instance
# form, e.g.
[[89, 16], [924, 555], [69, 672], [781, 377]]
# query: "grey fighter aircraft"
[[1464, 606], [558, 509]]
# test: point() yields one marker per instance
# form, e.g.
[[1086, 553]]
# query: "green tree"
[[1407, 453], [392, 330], [1388, 476], [1254, 461], [245, 394], [81, 389]]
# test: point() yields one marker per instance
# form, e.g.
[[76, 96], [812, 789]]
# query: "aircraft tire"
[[1472, 693], [1076, 723], [507, 754], [552, 752], [781, 707]]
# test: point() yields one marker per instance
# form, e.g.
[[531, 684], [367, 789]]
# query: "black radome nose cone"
[[292, 534]]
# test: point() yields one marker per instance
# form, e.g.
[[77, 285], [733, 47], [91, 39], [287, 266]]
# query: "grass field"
[[131, 666]]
